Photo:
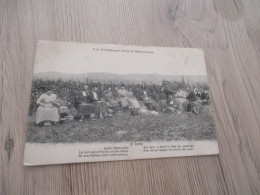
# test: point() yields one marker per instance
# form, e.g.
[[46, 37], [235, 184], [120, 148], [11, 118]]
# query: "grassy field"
[[124, 127]]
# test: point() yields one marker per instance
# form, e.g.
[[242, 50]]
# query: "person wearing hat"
[[47, 112]]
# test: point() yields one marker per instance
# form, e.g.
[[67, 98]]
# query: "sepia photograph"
[[87, 93]]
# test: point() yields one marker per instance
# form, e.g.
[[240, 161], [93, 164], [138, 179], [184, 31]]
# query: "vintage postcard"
[[103, 102]]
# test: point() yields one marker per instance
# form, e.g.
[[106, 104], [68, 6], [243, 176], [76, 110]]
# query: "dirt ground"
[[124, 127]]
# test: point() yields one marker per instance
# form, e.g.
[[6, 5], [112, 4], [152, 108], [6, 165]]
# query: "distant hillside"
[[118, 78]]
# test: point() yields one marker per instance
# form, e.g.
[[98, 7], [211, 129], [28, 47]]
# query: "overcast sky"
[[82, 58]]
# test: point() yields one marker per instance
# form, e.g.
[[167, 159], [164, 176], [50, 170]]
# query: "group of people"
[[90, 103], [188, 100]]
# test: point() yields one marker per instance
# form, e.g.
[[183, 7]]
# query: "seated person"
[[101, 107], [205, 97], [109, 98], [145, 95], [123, 97], [82, 96], [148, 102], [196, 91], [133, 103], [172, 103], [64, 109], [180, 97], [122, 91], [47, 113], [82, 104], [115, 93], [192, 105]]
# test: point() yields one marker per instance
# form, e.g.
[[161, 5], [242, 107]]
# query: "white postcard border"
[[43, 154]]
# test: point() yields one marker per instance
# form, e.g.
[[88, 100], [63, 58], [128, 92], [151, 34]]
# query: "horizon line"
[[118, 74]]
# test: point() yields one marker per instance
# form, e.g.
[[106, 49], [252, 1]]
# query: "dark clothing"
[[86, 109], [191, 97], [192, 104], [90, 97], [81, 98], [145, 95], [100, 107], [204, 96], [115, 94], [108, 95]]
